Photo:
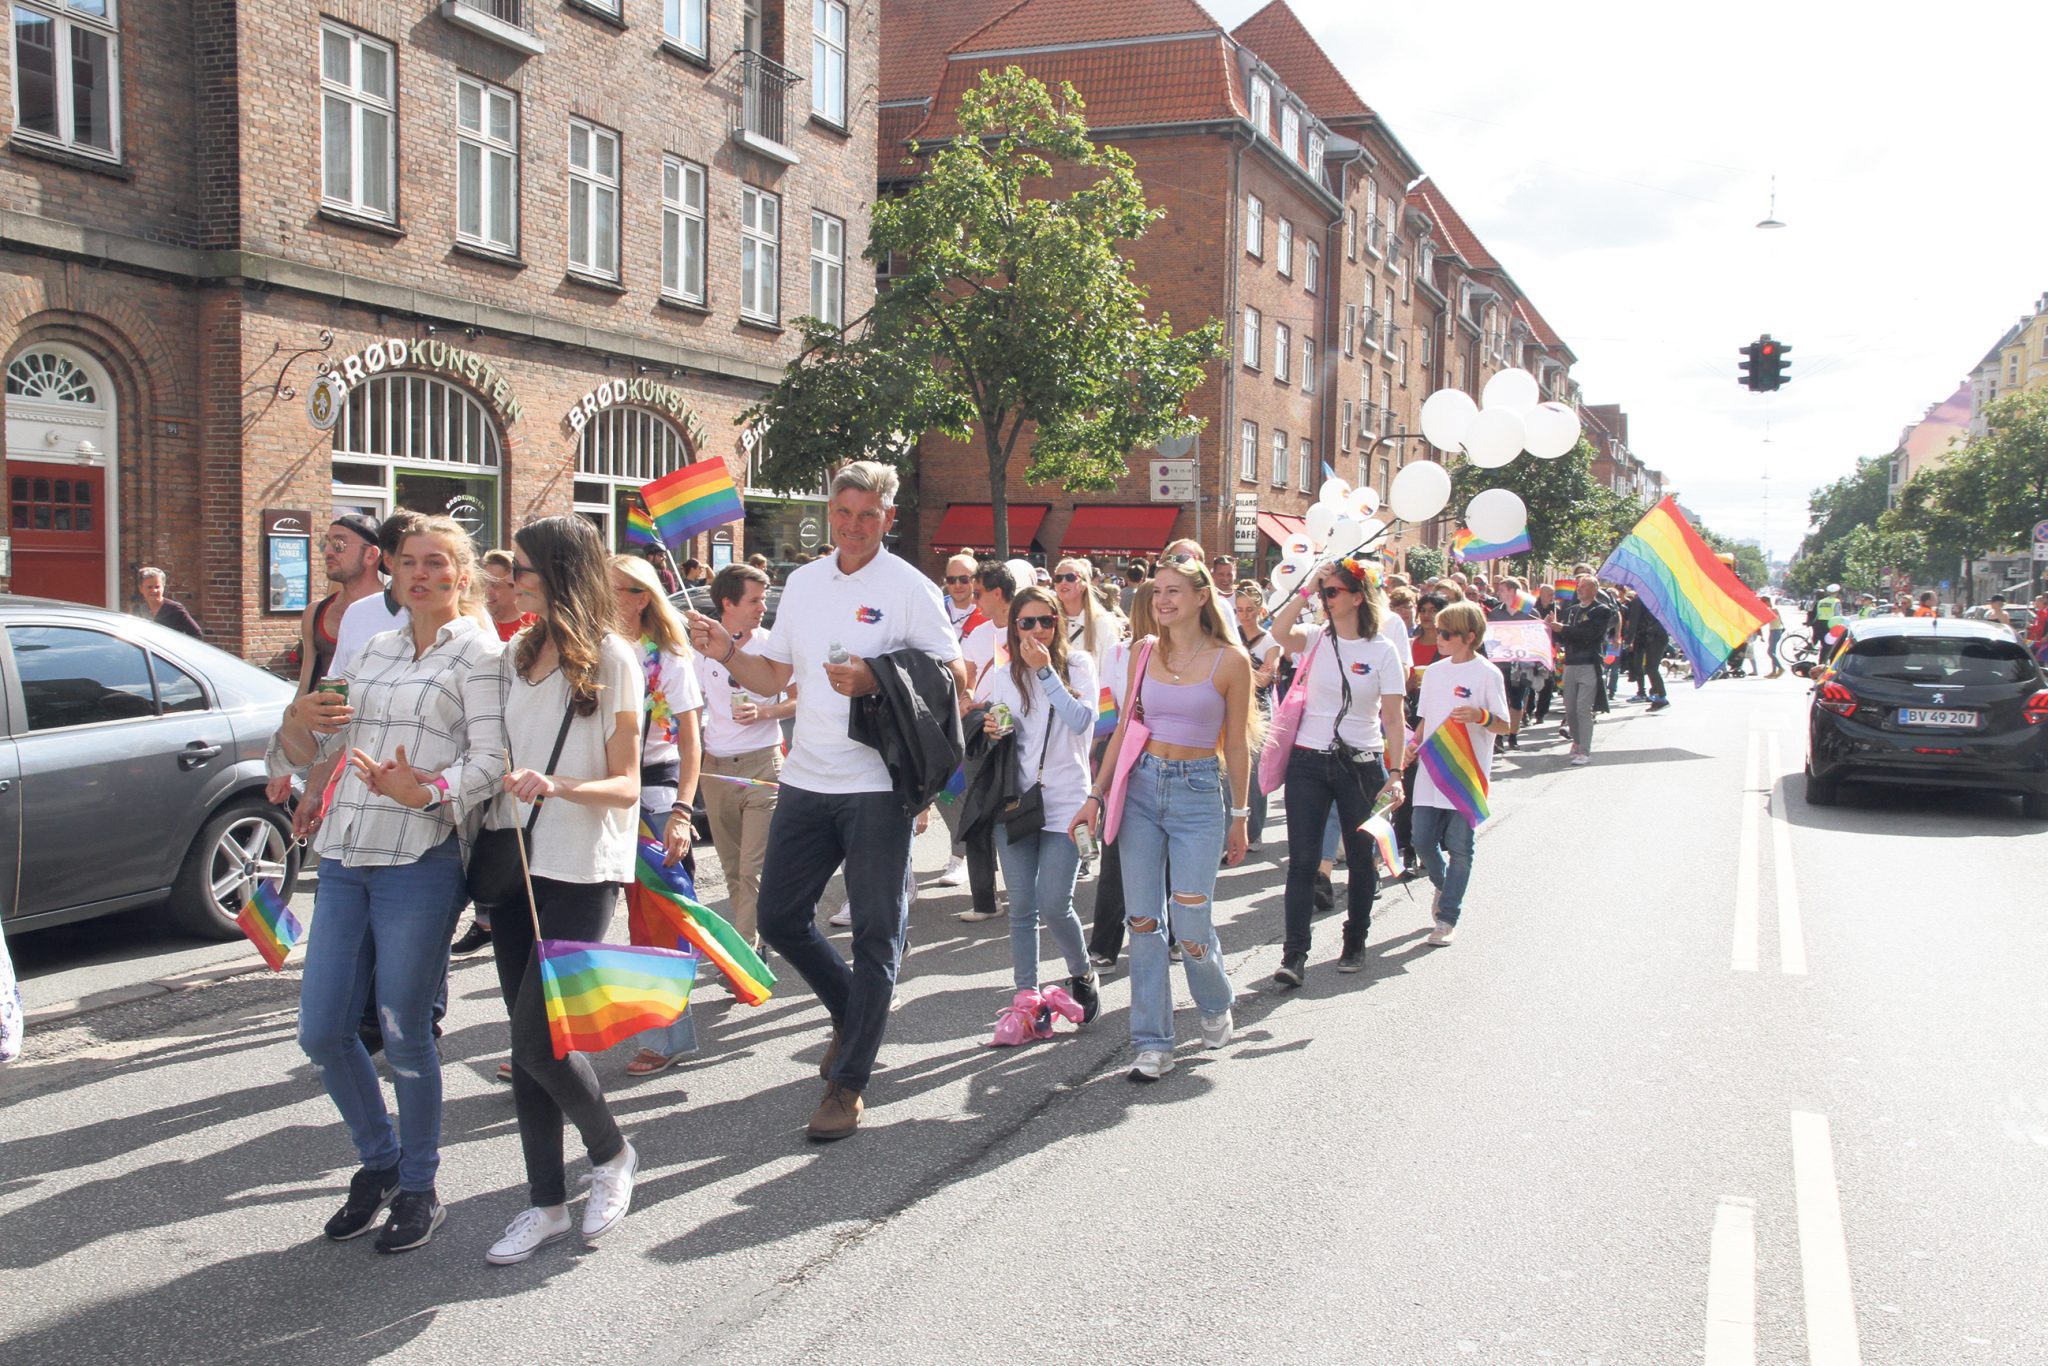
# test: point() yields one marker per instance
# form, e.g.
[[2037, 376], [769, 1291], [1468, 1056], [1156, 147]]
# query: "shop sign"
[[323, 402], [396, 353], [810, 533], [467, 511], [664, 398], [288, 559], [1245, 529]]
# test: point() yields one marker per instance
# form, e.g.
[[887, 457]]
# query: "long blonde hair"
[[1218, 625], [1101, 627], [659, 620]]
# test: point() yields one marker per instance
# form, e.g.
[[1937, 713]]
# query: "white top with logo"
[[1370, 665], [725, 738], [1475, 683]]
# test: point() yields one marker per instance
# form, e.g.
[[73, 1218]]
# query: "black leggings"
[[545, 1089]]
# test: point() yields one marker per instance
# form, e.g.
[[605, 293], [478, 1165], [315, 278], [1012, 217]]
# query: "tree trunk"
[[998, 492]]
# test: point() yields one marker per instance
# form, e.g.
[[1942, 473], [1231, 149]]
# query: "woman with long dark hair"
[[577, 686]]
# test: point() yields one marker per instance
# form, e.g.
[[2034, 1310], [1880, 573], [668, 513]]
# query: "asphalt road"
[[1708, 1075]]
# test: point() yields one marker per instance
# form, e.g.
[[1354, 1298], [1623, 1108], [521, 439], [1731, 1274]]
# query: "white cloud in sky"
[[1614, 157]]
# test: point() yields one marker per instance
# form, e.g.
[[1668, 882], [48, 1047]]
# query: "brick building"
[[545, 250]]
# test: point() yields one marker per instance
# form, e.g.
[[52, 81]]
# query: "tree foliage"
[[1425, 563], [1572, 515], [1853, 501], [1986, 497], [1010, 309]]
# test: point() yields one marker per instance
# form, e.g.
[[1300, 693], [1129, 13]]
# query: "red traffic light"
[[1770, 350]]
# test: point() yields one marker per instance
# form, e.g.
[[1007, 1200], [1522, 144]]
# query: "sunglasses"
[[1450, 635], [1037, 623], [1066, 578], [1330, 593], [959, 578]]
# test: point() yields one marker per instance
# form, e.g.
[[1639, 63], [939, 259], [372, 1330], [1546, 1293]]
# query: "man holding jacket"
[[1583, 630]]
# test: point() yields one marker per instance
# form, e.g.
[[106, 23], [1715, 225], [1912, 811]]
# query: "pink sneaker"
[[1019, 1022], [1061, 1002]]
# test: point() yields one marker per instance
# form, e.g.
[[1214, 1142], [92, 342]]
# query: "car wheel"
[[1819, 793], [244, 843], [2034, 806]]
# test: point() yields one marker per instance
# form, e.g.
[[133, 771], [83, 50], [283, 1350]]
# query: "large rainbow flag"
[[270, 924], [1707, 610], [640, 529], [692, 500], [707, 931], [1467, 547], [598, 994], [1453, 764]]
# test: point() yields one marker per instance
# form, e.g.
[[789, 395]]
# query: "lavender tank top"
[[1189, 714]]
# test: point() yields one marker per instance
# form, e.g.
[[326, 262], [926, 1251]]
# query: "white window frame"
[[1255, 226], [1350, 329], [1311, 267], [1344, 427], [1290, 132], [65, 22], [683, 217], [1401, 361], [679, 18], [1387, 335], [1249, 339], [597, 190], [1351, 234], [1372, 214], [828, 268], [1283, 453], [1308, 365], [1248, 451], [1316, 148], [828, 61], [495, 156], [1283, 352], [1262, 105], [1308, 465], [1386, 403], [760, 255], [362, 106], [1283, 246], [1366, 314]]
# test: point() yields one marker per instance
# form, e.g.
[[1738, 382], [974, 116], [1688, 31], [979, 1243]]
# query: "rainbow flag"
[[1565, 591], [1466, 547], [692, 500], [598, 994], [640, 528], [1382, 832], [270, 924], [710, 933], [1105, 716], [1453, 765], [1696, 597]]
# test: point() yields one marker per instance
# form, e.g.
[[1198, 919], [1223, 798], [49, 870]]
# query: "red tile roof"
[[1186, 80], [1459, 237], [894, 125], [1537, 326], [1043, 23], [917, 35], [1276, 34]]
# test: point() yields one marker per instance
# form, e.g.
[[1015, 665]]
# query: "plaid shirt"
[[448, 709]]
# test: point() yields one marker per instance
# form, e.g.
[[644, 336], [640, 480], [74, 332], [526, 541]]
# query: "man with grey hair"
[[149, 584], [837, 805]]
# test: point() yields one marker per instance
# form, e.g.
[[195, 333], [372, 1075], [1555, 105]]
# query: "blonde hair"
[[1463, 616], [1143, 623], [659, 621], [1212, 618], [1100, 627], [469, 601]]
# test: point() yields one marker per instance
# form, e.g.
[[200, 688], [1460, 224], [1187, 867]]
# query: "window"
[[828, 60], [1248, 451], [760, 255], [682, 229], [486, 166], [1405, 295], [686, 23], [358, 123], [1387, 319], [1283, 351], [1428, 353], [1425, 256], [828, 269], [1284, 248], [1401, 361], [1372, 216], [620, 449], [1308, 365], [1254, 323], [1366, 319], [1308, 465], [1315, 154], [1386, 403], [593, 200], [1262, 105], [1290, 131], [176, 690], [2012, 369], [1254, 226], [1279, 460], [1311, 266], [1344, 428], [71, 676], [1351, 234], [1350, 327], [66, 71]]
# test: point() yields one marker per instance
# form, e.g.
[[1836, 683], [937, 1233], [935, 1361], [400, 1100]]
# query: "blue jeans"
[[1039, 872], [1320, 781], [1171, 840], [812, 835], [388, 927], [1439, 830]]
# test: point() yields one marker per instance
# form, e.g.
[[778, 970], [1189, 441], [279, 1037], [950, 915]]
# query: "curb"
[[142, 991]]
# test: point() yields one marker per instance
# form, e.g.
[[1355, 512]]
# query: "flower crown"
[[1368, 576]]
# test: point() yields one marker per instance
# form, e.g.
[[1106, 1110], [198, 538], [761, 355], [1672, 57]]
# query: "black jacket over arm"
[[913, 721]]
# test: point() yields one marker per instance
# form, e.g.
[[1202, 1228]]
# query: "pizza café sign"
[[664, 398], [396, 353]]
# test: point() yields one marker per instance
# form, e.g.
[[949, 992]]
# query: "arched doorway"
[[61, 450], [620, 449], [413, 441]]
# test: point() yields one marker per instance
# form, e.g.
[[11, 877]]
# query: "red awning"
[[1278, 526], [1103, 527], [972, 526]]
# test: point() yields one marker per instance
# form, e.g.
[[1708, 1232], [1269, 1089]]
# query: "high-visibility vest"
[[1827, 609]]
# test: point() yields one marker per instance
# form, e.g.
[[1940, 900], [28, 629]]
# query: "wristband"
[[731, 652], [1485, 717], [1238, 813]]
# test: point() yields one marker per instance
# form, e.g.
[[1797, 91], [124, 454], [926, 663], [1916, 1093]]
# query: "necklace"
[[1176, 674]]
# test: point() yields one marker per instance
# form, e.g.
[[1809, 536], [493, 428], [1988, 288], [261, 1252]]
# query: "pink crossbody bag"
[[1286, 725], [1136, 735]]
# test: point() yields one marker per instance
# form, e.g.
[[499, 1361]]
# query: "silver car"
[[131, 772]]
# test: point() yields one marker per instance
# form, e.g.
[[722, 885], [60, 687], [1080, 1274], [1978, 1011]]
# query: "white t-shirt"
[[1394, 631], [364, 618], [671, 693], [573, 842], [1116, 670], [725, 738], [957, 614], [1475, 683], [981, 648], [1066, 754], [883, 607], [1371, 665]]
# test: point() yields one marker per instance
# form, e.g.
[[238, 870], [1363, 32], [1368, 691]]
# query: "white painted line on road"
[[1791, 934], [1731, 1284], [1746, 868], [1823, 1247]]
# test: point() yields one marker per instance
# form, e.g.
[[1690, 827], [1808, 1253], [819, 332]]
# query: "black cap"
[[360, 523]]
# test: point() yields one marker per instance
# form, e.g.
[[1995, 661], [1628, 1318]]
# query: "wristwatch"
[[1045, 671]]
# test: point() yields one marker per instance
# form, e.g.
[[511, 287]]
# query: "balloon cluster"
[[1509, 419], [1342, 522]]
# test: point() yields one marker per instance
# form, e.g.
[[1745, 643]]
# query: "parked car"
[[2021, 616], [131, 771], [1931, 702]]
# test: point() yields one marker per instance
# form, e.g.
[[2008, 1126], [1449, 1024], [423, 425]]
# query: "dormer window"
[[1262, 105], [1290, 131]]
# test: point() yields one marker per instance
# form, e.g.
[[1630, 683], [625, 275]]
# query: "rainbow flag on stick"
[[598, 994], [1105, 716], [692, 500], [710, 933], [1453, 765], [1565, 591], [1698, 599], [640, 529], [1466, 547], [1382, 832], [270, 924]]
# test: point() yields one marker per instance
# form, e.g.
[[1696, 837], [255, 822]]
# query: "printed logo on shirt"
[[868, 616], [1461, 691], [1361, 668]]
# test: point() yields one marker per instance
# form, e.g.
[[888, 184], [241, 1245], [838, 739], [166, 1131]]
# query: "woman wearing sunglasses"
[[1050, 691], [1351, 738]]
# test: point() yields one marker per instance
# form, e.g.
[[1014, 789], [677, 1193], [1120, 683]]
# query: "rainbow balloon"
[[598, 994], [270, 924], [1453, 765], [691, 500], [1696, 597]]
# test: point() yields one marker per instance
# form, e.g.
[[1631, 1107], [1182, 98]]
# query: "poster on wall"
[[288, 559]]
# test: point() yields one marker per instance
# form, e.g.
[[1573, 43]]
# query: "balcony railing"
[[761, 116], [509, 22]]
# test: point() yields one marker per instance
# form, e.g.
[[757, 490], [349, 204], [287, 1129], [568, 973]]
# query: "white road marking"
[[1731, 1284], [1791, 935], [1744, 959], [1823, 1247]]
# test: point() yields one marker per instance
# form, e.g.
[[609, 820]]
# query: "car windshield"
[[1931, 659]]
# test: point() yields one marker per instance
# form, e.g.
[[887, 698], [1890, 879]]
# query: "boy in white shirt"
[[1463, 686]]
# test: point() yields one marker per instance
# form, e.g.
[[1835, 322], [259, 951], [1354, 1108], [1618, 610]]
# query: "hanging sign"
[[323, 402]]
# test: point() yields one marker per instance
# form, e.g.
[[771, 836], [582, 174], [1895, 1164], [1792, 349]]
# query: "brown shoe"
[[831, 1055], [838, 1115]]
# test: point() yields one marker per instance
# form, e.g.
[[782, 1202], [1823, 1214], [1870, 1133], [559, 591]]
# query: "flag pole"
[[525, 872]]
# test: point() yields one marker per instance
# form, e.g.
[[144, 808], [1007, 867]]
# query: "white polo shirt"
[[883, 607]]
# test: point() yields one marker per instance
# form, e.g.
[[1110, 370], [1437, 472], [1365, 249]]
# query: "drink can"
[[1084, 842], [337, 686], [739, 697], [1001, 711]]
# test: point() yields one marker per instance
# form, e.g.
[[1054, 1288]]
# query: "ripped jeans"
[[389, 925], [1171, 841]]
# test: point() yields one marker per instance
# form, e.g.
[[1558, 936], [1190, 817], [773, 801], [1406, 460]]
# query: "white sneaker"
[[974, 917], [1152, 1064], [1581, 760], [532, 1230], [1216, 1030], [1444, 933], [954, 876], [842, 917], [611, 1192]]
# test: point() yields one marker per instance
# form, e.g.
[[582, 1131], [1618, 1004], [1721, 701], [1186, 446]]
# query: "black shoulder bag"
[[494, 874], [1024, 814]]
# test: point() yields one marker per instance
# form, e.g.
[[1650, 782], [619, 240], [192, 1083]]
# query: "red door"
[[57, 518]]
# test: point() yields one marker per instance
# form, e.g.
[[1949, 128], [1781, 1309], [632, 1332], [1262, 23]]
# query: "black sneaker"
[[414, 1217], [1326, 894], [368, 1193], [1087, 996], [474, 938], [1352, 959], [1291, 972]]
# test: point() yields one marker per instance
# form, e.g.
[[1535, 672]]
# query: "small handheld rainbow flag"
[[1382, 832], [640, 528], [710, 933], [693, 499], [1565, 591], [598, 994], [1467, 547], [741, 782], [1453, 765], [270, 924], [1105, 715], [1696, 597]]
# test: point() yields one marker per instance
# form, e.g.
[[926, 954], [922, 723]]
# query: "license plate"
[[1936, 716]]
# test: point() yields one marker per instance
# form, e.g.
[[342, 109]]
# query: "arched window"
[[622, 448], [413, 441], [49, 376]]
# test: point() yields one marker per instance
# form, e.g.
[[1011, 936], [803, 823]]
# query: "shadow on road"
[[1938, 813]]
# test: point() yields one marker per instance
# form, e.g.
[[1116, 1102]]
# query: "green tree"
[[1425, 563], [1010, 309], [1854, 500], [1572, 516], [1985, 497], [1750, 565]]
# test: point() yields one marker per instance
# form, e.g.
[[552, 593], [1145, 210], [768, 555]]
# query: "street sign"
[[2040, 532], [1173, 481], [1245, 529]]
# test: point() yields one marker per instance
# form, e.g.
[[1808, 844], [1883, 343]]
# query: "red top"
[[509, 629]]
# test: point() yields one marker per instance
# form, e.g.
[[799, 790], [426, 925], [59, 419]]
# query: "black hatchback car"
[[1918, 702]]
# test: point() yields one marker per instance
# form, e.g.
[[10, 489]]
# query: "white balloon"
[[1321, 518], [1301, 563], [1514, 390], [1285, 575], [1495, 438], [1420, 491], [1553, 429], [1348, 533], [1363, 502], [1496, 515], [1297, 547], [1334, 492], [1446, 414]]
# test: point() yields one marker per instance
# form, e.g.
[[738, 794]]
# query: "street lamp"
[[1770, 220]]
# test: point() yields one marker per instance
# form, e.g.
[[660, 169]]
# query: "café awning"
[[1099, 528], [972, 526]]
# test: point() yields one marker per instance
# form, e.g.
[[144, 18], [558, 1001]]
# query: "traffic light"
[[1752, 366], [1764, 364]]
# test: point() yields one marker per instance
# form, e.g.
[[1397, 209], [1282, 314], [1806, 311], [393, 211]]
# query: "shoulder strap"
[[561, 738], [1137, 700]]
